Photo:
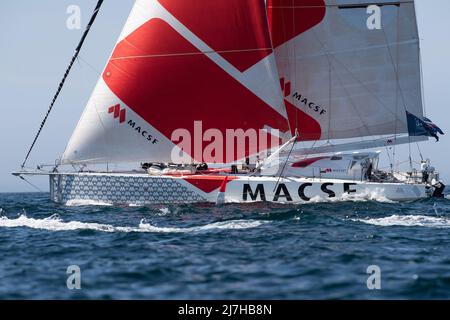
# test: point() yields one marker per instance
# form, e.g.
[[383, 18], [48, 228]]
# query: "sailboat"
[[252, 100]]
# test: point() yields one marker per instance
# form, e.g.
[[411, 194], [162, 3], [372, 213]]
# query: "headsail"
[[343, 75], [178, 63]]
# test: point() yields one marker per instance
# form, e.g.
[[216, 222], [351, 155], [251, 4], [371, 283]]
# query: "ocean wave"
[[55, 223], [408, 221], [164, 211]]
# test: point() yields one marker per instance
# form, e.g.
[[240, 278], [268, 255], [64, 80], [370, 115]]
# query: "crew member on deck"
[[369, 171], [424, 168], [258, 164]]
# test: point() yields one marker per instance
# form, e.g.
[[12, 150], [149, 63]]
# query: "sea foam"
[[408, 221], [55, 223], [80, 203], [374, 195]]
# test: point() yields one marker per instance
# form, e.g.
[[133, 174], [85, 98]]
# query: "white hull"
[[141, 189]]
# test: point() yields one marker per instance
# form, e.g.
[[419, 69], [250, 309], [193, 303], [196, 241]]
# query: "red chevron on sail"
[[237, 37], [308, 128], [171, 84]]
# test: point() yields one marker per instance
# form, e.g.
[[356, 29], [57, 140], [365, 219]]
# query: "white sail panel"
[[178, 63], [114, 134], [343, 77], [360, 145]]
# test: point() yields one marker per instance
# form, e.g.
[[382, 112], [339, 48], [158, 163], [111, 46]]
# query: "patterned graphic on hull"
[[142, 190], [120, 190]]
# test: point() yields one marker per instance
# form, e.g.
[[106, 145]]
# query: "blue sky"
[[36, 47]]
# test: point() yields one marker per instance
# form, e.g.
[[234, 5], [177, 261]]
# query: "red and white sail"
[[176, 63], [343, 77], [205, 67]]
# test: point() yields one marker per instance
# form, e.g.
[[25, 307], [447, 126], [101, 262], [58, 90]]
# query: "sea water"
[[261, 251]]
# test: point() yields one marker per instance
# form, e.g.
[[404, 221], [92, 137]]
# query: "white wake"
[[374, 195], [408, 221], [55, 223], [80, 203]]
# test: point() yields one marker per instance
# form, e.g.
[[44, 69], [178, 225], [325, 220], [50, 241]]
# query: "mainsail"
[[349, 68], [202, 67]]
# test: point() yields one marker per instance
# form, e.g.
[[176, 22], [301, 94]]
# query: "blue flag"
[[422, 126]]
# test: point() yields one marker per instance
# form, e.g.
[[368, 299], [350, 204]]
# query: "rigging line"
[[66, 74], [420, 60], [287, 77], [182, 54], [277, 71], [401, 90], [106, 136], [295, 68], [370, 92], [307, 156], [410, 155], [389, 156], [79, 63], [89, 65], [422, 82], [330, 57], [285, 163], [359, 49], [330, 67], [292, 77], [34, 186], [329, 97], [420, 151], [352, 103], [395, 64], [294, 84], [344, 6]]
